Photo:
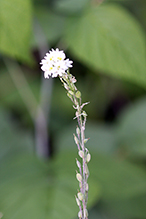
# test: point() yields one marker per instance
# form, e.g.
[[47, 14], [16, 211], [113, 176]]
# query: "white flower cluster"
[[54, 63]]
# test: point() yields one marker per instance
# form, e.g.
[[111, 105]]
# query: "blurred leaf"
[[131, 132], [127, 208], [118, 179], [10, 97], [108, 39], [70, 6], [15, 28], [33, 189], [103, 134], [13, 141], [51, 23]]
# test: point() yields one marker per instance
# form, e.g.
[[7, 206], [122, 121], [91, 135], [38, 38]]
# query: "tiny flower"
[[54, 64]]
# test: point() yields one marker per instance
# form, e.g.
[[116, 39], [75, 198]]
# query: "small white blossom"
[[54, 63]]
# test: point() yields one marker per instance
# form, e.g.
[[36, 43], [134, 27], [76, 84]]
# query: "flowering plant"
[[54, 64]]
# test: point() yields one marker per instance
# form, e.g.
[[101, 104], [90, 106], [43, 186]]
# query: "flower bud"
[[71, 92], [88, 157], [78, 202], [87, 187], [77, 130], [84, 113], [85, 140], [78, 94], [81, 153], [78, 164], [79, 177], [76, 140], [86, 170], [65, 86], [80, 214], [80, 196], [85, 213]]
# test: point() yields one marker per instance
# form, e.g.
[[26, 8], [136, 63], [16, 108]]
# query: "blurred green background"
[[106, 41]]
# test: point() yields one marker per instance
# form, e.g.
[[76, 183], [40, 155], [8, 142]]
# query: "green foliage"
[[32, 188], [15, 28], [108, 39]]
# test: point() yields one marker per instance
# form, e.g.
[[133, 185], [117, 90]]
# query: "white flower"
[[54, 63]]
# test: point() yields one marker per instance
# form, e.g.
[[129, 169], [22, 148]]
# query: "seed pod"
[[79, 177], [88, 158], [81, 153], [80, 196]]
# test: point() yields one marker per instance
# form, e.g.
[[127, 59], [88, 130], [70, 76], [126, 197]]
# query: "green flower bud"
[[78, 94]]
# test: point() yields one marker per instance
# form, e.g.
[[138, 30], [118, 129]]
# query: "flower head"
[[54, 63]]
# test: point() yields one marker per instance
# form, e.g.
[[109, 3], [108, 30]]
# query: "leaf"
[[108, 39], [117, 179], [15, 28], [131, 133], [51, 23], [127, 208], [32, 188], [101, 133], [70, 6]]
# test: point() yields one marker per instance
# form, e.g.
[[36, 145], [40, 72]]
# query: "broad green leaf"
[[118, 179], [109, 40], [131, 133], [15, 28], [51, 24], [70, 6]]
